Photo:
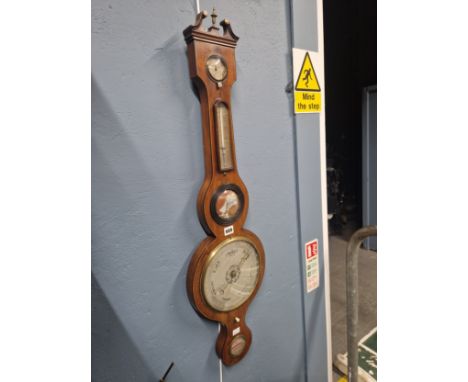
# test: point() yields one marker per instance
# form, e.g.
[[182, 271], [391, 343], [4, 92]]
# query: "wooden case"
[[202, 44]]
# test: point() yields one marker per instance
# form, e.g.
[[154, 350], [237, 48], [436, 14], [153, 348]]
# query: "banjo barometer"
[[227, 268]]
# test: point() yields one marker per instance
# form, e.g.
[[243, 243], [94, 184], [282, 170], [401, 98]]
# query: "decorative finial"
[[213, 16]]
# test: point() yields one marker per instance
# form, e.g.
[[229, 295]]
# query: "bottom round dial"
[[237, 346], [231, 274]]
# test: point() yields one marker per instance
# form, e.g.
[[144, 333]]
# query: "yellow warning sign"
[[307, 102], [307, 79], [307, 91]]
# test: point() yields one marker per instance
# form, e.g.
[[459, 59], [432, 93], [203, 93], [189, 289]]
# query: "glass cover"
[[237, 345], [216, 68], [231, 275], [223, 133], [227, 204]]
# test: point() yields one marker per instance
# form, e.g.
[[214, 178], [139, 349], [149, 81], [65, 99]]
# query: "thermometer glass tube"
[[223, 134]]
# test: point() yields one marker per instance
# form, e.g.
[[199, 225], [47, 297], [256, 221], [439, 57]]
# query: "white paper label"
[[312, 265], [229, 230]]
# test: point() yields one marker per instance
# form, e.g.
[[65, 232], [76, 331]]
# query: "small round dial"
[[227, 204], [231, 274], [216, 68], [237, 345]]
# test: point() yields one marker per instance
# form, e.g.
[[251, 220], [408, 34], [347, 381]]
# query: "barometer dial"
[[231, 274], [216, 68]]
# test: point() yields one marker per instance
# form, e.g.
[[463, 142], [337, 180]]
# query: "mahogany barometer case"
[[227, 268]]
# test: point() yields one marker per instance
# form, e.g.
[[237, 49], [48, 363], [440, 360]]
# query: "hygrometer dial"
[[231, 274], [227, 204], [216, 67]]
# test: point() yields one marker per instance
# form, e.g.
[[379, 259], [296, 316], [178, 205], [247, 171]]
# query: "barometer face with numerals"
[[231, 274]]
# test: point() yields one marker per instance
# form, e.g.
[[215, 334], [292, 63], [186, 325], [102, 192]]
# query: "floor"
[[367, 294]]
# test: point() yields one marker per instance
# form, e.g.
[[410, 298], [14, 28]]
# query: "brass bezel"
[[210, 258]]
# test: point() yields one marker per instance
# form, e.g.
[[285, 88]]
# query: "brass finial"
[[213, 16]]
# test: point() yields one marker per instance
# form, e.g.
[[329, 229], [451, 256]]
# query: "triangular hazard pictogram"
[[307, 80]]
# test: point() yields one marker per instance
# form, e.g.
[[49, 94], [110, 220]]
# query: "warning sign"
[[307, 79], [308, 75], [312, 265]]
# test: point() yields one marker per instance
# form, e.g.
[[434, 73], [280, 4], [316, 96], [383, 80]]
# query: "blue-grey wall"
[[147, 167]]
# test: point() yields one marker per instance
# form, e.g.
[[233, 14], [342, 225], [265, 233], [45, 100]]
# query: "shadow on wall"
[[137, 317], [114, 356]]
